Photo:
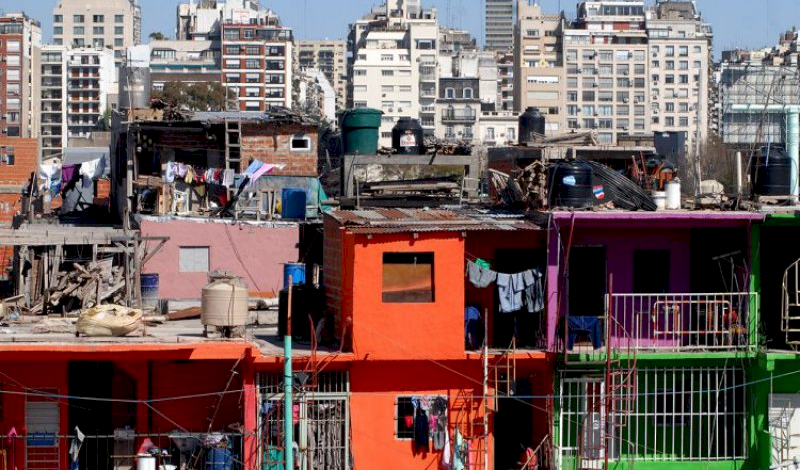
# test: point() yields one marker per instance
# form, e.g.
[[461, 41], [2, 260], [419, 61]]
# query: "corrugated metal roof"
[[374, 221]]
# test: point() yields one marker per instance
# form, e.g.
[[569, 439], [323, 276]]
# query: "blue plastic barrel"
[[219, 459], [297, 271], [149, 290], [293, 203]]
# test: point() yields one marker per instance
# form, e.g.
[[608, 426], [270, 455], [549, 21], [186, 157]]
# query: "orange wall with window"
[[387, 330]]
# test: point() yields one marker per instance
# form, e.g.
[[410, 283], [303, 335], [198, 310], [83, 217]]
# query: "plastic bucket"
[[297, 271]]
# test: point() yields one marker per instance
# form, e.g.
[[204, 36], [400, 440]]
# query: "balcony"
[[681, 322], [427, 93], [458, 116]]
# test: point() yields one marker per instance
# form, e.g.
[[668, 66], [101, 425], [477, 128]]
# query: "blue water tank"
[[219, 459], [293, 203], [149, 289], [297, 271]]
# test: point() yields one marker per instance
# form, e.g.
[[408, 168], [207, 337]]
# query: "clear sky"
[[736, 23]]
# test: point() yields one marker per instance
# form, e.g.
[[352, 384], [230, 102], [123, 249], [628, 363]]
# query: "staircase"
[[790, 315]]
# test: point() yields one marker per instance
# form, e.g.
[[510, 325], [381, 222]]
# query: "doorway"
[[586, 281]]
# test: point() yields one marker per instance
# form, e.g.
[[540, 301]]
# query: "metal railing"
[[682, 322]]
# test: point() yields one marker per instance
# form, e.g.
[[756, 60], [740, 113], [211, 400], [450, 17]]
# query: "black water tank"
[[771, 172], [571, 185], [531, 122], [408, 136], [670, 145]]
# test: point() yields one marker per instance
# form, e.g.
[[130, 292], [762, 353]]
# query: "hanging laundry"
[[75, 449], [534, 290], [51, 174], [263, 170], [254, 165], [479, 275], [421, 431], [459, 457], [68, 173], [509, 290], [189, 178], [227, 177], [447, 452], [169, 172], [93, 168]]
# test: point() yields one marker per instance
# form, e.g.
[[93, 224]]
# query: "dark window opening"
[[408, 277], [651, 271], [405, 418]]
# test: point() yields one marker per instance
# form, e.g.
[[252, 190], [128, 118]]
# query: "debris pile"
[[84, 286]]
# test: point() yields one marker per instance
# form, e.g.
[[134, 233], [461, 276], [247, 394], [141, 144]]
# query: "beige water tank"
[[224, 302]]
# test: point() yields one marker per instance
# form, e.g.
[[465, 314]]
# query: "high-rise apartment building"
[[189, 62], [619, 68], [499, 24], [20, 38], [680, 64], [255, 50], [98, 23], [78, 86], [394, 64], [329, 57], [539, 73]]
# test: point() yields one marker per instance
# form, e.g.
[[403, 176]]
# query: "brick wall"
[[12, 179], [270, 143]]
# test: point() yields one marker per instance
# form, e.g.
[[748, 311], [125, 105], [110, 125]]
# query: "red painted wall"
[[254, 252], [408, 330]]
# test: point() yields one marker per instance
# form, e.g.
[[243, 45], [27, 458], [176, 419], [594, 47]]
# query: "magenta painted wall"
[[261, 249]]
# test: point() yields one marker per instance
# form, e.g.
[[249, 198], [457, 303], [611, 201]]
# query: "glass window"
[[77, 18], [58, 18], [98, 30], [98, 18], [252, 63], [77, 30], [119, 30], [57, 30], [119, 18], [408, 278]]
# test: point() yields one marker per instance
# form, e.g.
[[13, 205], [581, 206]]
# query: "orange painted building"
[[395, 281]]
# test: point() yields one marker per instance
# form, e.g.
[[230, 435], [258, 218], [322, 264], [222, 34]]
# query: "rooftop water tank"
[[531, 124], [571, 185], [771, 172], [224, 301], [408, 136], [360, 131]]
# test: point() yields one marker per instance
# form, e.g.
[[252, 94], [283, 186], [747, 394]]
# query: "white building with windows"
[[394, 64], [116, 24]]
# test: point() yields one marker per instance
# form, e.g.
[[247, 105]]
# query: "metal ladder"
[[233, 144]]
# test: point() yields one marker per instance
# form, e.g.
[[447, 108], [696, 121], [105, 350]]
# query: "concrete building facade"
[[20, 39], [329, 57], [116, 24], [499, 24], [184, 61], [53, 88], [394, 64]]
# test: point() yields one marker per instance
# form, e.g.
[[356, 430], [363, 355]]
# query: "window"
[[386, 57], [58, 30], [193, 259], [252, 63], [360, 72], [77, 18], [248, 34], [300, 143], [489, 134], [98, 30], [450, 93], [646, 279], [12, 46], [683, 51], [670, 51], [669, 79], [468, 93], [404, 415], [98, 18], [232, 50], [408, 278], [387, 73], [58, 18], [119, 18], [119, 30], [98, 43], [77, 30], [231, 34], [253, 50], [384, 88]]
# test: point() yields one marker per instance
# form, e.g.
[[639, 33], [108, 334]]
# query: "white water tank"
[[224, 302], [673, 190]]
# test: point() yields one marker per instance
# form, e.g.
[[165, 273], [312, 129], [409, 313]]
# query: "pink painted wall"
[[261, 249]]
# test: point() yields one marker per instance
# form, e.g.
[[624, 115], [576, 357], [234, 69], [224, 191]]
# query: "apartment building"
[[467, 86], [98, 23], [499, 24], [20, 38], [190, 62], [255, 50], [539, 73], [505, 80], [329, 57], [680, 64], [394, 64], [53, 87]]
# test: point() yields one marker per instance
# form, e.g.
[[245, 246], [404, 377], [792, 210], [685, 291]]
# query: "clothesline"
[[510, 287], [58, 175]]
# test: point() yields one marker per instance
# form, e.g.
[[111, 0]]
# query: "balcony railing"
[[665, 323], [458, 116]]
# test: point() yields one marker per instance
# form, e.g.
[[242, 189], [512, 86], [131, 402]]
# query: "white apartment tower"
[[329, 57], [539, 74], [394, 64], [115, 24], [499, 24], [680, 63], [77, 86], [20, 39]]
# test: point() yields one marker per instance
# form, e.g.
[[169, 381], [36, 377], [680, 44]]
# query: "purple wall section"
[[622, 233], [258, 257]]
